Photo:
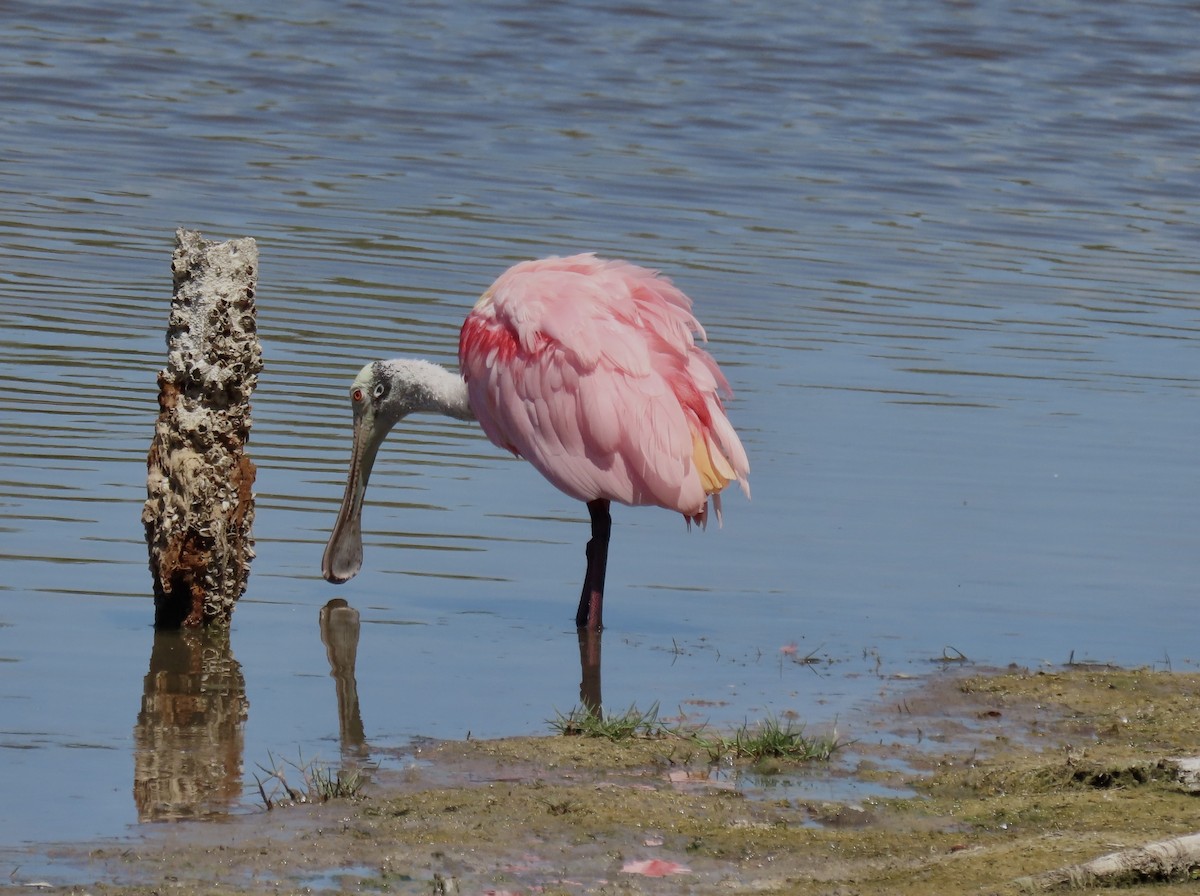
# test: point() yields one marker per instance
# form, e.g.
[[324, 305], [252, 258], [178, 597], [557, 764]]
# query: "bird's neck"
[[429, 388], [449, 391]]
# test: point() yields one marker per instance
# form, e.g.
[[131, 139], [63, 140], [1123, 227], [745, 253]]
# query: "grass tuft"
[[319, 782], [769, 739], [631, 723]]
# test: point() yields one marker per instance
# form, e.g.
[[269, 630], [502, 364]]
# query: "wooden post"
[[199, 480]]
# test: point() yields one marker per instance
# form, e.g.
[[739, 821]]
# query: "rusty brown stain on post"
[[199, 508]]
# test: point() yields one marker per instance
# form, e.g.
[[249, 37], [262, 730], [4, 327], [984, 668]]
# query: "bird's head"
[[379, 402], [383, 394]]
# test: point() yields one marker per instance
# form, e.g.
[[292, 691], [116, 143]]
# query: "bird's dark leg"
[[591, 602]]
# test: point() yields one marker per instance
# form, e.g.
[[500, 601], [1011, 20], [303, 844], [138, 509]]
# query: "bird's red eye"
[[356, 394]]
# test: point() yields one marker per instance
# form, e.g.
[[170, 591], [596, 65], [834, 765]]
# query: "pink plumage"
[[589, 369]]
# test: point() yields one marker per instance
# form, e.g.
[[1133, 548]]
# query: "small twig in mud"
[[562, 807], [951, 655], [791, 651], [1072, 663], [267, 801], [810, 658]]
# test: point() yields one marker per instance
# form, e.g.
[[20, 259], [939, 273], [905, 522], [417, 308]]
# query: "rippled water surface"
[[945, 253]]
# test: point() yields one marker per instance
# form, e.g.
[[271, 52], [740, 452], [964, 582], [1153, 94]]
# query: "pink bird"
[[588, 369]]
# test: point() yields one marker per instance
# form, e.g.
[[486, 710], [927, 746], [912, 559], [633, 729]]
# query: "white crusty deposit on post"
[[199, 507]]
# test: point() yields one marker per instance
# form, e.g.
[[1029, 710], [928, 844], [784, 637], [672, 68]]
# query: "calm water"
[[946, 253]]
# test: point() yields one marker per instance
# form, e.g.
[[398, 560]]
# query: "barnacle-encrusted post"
[[199, 480]]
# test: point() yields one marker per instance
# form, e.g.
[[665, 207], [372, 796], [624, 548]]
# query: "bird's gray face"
[[374, 416]]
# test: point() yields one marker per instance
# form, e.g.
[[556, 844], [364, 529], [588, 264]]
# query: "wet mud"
[[966, 784]]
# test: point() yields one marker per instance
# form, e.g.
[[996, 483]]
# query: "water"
[[945, 253]]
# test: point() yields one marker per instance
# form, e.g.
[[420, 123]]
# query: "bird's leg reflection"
[[589, 665], [189, 737], [339, 634]]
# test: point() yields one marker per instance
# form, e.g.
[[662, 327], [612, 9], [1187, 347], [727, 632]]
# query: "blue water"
[[945, 253]]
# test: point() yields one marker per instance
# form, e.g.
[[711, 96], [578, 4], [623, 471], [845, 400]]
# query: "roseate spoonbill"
[[587, 368]]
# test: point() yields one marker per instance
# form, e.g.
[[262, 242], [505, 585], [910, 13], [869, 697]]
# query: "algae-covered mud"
[[977, 781]]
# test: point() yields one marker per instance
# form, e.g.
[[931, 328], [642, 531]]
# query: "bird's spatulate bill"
[[344, 552]]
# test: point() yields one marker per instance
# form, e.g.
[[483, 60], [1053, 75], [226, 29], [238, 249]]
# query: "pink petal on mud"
[[654, 868]]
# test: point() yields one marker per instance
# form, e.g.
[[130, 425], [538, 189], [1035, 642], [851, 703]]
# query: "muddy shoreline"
[[966, 784]]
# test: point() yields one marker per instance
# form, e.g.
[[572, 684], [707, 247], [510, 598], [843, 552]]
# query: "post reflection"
[[189, 736], [339, 634], [589, 667]]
